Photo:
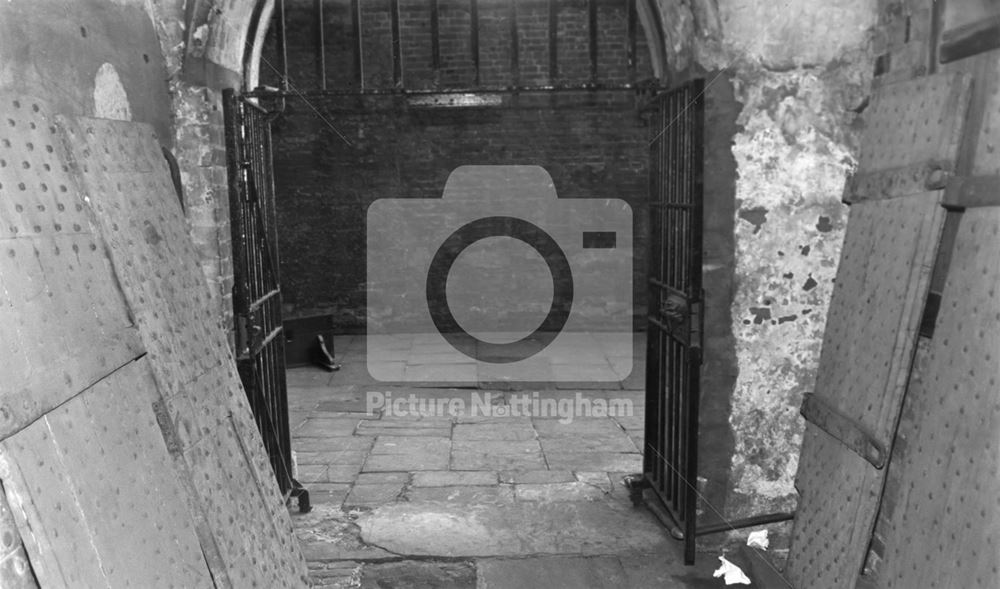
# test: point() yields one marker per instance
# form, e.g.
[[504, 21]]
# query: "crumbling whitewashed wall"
[[800, 70]]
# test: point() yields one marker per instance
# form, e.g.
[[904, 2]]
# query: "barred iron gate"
[[259, 341], [673, 350]]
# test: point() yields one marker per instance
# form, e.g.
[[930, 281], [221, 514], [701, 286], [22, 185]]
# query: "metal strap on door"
[[673, 355], [259, 341]]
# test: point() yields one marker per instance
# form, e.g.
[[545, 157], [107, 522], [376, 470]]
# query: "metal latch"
[[849, 432], [249, 334]]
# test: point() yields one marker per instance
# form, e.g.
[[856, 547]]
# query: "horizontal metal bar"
[[965, 41], [670, 289], [908, 180], [265, 93], [683, 337], [965, 192], [255, 350], [848, 431], [746, 522], [248, 101], [260, 302]]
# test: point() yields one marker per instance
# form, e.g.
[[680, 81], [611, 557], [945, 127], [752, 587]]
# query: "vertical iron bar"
[[359, 59], [650, 460], [397, 55], [280, 415], [553, 41], [474, 38], [435, 39], [320, 44], [231, 118], [282, 45], [515, 65], [592, 28], [631, 43], [696, 187]]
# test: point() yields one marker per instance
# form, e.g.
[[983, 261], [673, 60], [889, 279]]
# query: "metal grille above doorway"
[[673, 349], [259, 338], [423, 46]]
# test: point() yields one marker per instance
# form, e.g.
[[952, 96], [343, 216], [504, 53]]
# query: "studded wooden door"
[[939, 523], [673, 351], [909, 149], [128, 454]]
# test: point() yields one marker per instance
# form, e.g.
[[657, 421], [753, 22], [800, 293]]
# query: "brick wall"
[[592, 144], [201, 156]]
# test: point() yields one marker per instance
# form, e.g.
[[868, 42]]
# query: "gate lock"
[[249, 334]]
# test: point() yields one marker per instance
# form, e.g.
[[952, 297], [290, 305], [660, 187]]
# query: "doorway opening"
[[507, 370]]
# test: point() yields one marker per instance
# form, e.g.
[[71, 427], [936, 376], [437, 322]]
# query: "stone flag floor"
[[466, 488]]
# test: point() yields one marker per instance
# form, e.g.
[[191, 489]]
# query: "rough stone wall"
[[799, 70]]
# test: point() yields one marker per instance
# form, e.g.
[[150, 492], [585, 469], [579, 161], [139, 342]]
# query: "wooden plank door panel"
[[162, 280], [944, 530], [909, 147], [93, 484]]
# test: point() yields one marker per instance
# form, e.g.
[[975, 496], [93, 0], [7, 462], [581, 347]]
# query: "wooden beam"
[[320, 43], [359, 59], [397, 54], [515, 60], [592, 29], [474, 38], [553, 41], [435, 38], [630, 48]]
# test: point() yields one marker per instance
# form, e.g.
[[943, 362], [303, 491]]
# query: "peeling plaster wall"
[[793, 156], [799, 79], [799, 69]]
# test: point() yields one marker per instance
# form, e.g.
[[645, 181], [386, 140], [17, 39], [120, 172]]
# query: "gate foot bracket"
[[636, 483], [301, 495]]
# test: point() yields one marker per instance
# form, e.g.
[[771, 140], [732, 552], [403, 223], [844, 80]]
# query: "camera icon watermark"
[[499, 280]]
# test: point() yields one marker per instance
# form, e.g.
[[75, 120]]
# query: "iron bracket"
[[249, 334], [848, 431]]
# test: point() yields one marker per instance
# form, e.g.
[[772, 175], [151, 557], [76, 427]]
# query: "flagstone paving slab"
[[450, 478], [523, 528], [480, 498]]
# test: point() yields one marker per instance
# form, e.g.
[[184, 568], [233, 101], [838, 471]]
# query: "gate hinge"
[[848, 431], [697, 323], [249, 335]]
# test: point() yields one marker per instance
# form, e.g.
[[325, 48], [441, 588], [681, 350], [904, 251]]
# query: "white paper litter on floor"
[[730, 573], [758, 539]]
